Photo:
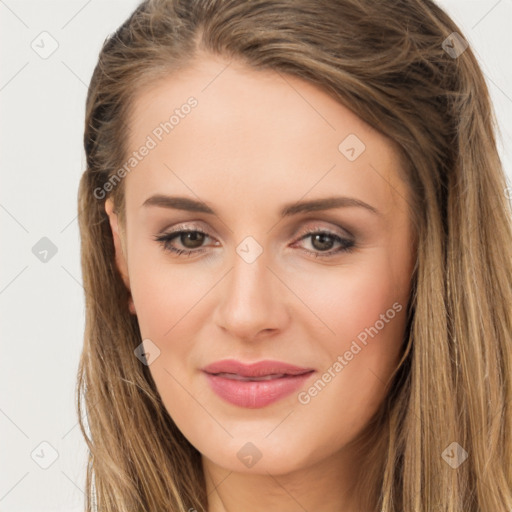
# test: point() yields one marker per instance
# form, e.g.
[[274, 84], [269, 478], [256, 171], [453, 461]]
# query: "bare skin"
[[255, 142]]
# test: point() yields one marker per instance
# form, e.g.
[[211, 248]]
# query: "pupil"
[[322, 237], [194, 237]]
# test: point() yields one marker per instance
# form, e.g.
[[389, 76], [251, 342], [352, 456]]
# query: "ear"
[[120, 249]]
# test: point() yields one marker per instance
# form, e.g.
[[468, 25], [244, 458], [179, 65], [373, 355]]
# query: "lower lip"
[[255, 394]]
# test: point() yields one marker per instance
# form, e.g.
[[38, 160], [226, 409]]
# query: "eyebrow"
[[328, 203]]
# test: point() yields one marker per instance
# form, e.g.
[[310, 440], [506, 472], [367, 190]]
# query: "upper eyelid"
[[314, 229], [338, 230]]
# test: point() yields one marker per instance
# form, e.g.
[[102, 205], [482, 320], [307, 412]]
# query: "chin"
[[261, 457]]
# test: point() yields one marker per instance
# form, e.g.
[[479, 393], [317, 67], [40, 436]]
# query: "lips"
[[259, 369], [257, 384], [235, 376]]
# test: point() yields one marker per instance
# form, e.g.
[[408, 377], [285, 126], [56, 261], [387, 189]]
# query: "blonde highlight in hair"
[[385, 61]]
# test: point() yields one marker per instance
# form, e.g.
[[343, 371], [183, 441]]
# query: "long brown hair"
[[397, 65]]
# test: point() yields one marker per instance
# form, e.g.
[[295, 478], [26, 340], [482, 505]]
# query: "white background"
[[41, 121]]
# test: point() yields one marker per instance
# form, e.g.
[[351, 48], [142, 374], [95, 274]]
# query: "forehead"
[[253, 131]]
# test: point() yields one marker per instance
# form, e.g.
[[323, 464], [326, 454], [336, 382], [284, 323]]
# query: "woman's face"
[[301, 254]]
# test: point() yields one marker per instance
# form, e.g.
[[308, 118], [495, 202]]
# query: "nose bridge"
[[250, 271], [250, 299], [249, 280]]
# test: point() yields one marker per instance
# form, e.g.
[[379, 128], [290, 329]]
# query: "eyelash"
[[347, 246]]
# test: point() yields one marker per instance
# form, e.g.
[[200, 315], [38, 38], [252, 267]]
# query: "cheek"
[[345, 301], [163, 292], [170, 310], [365, 311]]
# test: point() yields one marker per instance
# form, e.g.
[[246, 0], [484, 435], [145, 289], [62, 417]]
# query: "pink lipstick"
[[254, 385]]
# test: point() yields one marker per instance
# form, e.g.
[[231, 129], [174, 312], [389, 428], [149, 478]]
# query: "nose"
[[253, 300]]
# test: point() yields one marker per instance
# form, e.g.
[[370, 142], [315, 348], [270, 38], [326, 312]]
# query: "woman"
[[296, 250]]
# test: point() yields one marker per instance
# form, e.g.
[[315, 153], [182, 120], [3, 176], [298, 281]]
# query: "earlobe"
[[119, 250]]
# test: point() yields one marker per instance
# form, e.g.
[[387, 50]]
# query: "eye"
[[192, 240], [322, 242]]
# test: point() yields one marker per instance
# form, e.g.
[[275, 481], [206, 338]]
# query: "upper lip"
[[257, 369]]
